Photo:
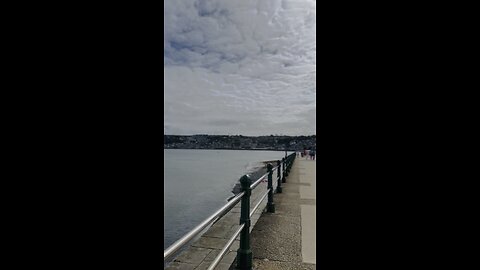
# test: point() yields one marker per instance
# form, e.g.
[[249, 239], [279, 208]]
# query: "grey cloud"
[[240, 62], [223, 122]]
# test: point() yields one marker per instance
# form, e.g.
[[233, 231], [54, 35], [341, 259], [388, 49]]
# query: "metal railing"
[[244, 254]]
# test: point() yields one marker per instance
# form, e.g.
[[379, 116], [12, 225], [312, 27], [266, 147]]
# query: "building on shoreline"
[[239, 142]]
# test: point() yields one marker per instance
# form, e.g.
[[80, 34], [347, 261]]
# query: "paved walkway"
[[286, 239]]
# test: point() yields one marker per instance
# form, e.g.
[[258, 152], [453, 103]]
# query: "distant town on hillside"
[[239, 142]]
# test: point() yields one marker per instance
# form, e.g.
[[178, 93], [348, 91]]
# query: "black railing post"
[[283, 171], [244, 253], [286, 161], [270, 204], [279, 181], [286, 166], [289, 166]]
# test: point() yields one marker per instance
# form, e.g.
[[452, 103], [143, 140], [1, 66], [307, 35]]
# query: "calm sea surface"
[[198, 182]]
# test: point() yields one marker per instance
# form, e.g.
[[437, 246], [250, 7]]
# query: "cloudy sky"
[[242, 67]]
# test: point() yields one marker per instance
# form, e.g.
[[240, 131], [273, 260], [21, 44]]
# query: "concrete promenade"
[[286, 239]]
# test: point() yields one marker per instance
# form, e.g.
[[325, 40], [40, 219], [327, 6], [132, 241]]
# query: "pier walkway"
[[286, 239]]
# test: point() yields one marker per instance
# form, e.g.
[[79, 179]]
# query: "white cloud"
[[240, 67]]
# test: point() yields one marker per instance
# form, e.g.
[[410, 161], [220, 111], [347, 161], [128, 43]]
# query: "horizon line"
[[238, 135]]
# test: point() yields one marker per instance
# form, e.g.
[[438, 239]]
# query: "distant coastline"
[[239, 142], [252, 149]]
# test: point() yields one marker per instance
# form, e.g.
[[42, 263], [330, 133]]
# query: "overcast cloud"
[[240, 67]]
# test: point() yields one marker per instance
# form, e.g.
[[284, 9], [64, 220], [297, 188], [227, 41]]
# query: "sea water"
[[199, 182]]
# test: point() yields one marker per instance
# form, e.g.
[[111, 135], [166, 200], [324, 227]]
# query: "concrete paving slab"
[[195, 257], [308, 209], [210, 242], [181, 266], [230, 256], [220, 231], [309, 234]]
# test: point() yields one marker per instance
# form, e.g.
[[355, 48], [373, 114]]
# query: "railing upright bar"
[[283, 171], [290, 164], [270, 203], [244, 253], [258, 181], [286, 164], [289, 159], [279, 181]]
